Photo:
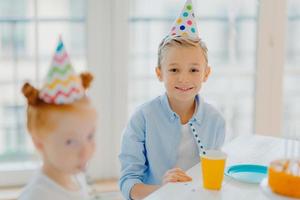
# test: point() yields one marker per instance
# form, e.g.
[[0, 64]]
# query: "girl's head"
[[64, 134], [182, 66]]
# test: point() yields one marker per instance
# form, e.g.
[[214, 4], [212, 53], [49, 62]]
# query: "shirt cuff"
[[128, 186]]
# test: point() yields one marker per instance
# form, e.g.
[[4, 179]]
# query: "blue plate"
[[247, 173]]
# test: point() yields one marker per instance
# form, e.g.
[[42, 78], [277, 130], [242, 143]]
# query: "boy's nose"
[[183, 77]]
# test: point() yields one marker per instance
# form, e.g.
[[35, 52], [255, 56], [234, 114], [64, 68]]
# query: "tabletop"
[[245, 149]]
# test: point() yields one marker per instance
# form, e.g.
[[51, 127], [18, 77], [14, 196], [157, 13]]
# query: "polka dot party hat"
[[62, 84], [185, 24]]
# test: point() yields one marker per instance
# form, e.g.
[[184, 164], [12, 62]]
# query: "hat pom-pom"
[[86, 79], [31, 94]]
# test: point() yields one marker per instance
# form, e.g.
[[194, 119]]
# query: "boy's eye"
[[173, 70], [194, 70]]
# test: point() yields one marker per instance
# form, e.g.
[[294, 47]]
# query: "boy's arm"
[[133, 154], [140, 190]]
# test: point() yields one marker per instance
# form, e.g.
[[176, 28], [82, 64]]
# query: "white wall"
[[270, 65], [107, 26]]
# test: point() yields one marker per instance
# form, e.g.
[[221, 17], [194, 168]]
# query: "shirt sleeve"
[[133, 154]]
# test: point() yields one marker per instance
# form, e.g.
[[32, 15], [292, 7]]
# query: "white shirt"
[[188, 152], [42, 187]]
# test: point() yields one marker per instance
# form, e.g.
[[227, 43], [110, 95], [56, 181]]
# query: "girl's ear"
[[38, 143], [207, 73], [158, 73]]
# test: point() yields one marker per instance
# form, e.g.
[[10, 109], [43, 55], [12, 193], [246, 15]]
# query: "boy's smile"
[[184, 89]]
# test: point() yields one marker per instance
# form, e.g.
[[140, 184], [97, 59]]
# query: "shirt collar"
[[198, 115]]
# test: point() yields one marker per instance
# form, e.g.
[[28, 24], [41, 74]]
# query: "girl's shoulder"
[[34, 191]]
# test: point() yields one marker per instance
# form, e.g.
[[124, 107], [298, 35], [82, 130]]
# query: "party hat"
[[62, 84], [185, 24]]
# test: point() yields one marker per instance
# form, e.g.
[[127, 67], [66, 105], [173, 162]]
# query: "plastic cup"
[[213, 165]]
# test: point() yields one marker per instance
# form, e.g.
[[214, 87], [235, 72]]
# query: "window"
[[292, 67], [14, 141], [229, 30], [29, 31]]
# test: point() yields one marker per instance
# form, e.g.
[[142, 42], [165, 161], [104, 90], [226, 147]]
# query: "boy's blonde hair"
[[42, 117], [179, 41]]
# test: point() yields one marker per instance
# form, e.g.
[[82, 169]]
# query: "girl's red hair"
[[40, 115]]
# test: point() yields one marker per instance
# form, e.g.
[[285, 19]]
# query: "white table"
[[244, 149]]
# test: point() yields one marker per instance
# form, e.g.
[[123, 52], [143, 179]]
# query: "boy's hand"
[[176, 175]]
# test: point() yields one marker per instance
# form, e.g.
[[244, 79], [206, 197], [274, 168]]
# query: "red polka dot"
[[189, 22]]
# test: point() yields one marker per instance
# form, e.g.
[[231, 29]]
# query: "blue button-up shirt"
[[152, 137]]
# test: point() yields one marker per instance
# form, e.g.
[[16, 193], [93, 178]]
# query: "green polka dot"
[[189, 7], [193, 30], [185, 14]]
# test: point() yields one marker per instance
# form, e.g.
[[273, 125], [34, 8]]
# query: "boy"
[[165, 136]]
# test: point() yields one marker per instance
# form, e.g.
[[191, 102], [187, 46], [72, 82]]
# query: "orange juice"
[[213, 165]]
